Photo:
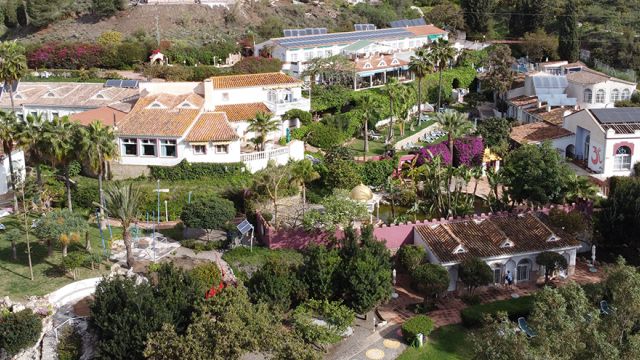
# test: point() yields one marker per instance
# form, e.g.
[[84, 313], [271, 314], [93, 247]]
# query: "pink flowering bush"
[[429, 152], [66, 56], [467, 151]]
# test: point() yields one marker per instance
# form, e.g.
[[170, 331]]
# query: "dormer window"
[[50, 95], [459, 250], [100, 96], [506, 243], [395, 62], [18, 96], [382, 63], [553, 237], [367, 66], [187, 105], [156, 105]]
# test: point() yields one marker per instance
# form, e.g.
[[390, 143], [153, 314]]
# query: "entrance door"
[[522, 271], [497, 276]]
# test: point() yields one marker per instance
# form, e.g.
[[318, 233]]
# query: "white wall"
[[577, 90], [17, 156]]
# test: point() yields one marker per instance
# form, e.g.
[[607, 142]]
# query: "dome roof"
[[361, 193]]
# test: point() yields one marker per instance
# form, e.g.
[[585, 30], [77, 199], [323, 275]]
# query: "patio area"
[[448, 307]]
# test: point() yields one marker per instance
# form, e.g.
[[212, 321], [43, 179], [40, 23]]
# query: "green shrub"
[[305, 117], [324, 136], [70, 345], [471, 299], [206, 275], [410, 256], [86, 194], [594, 292], [420, 324], [515, 308], [187, 171], [19, 331], [376, 173]]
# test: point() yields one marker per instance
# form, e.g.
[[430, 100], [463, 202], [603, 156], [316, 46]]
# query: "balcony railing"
[[262, 155], [282, 107]]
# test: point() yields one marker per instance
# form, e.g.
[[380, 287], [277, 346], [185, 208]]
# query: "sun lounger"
[[522, 324], [605, 309]]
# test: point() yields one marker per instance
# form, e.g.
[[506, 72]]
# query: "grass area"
[[376, 147], [47, 271], [445, 343], [243, 259]]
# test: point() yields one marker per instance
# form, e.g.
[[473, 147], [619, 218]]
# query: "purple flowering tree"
[[468, 151]]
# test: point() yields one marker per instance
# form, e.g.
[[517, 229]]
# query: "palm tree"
[[370, 111], [262, 125], [302, 173], [391, 88], [455, 124], [98, 143], [404, 103], [442, 53], [33, 136], [9, 130], [63, 136], [122, 201], [13, 66], [421, 65], [580, 188]]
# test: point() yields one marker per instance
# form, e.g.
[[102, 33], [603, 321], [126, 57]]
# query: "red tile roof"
[[422, 30], [379, 62], [484, 238], [212, 127], [170, 119], [250, 80], [243, 112], [106, 115], [537, 132]]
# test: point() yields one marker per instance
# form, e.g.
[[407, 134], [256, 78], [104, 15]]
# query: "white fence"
[[257, 161], [73, 292]]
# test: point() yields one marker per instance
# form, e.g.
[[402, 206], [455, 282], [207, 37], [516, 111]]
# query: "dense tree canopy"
[[208, 214], [477, 15], [619, 221], [475, 272], [569, 43], [495, 133]]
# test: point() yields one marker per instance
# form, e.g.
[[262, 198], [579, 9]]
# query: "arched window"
[[523, 269], [600, 96], [588, 95], [622, 158], [626, 94], [615, 95]]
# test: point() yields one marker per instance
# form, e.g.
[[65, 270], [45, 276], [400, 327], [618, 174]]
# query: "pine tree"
[[529, 16], [477, 15], [44, 12], [569, 45]]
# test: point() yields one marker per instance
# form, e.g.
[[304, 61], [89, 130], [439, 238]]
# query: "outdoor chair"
[[605, 309], [522, 324]]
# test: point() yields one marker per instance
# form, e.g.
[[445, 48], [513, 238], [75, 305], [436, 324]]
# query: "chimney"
[[209, 104], [548, 107], [538, 104]]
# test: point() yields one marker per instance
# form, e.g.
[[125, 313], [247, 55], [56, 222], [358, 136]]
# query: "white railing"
[[280, 108], [264, 155], [257, 161]]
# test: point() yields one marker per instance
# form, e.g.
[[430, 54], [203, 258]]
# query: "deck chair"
[[605, 309], [522, 324]]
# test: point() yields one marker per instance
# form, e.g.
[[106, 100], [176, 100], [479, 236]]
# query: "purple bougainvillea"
[[66, 56], [468, 152]]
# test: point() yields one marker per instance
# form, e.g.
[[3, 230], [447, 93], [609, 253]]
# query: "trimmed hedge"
[[19, 331], [188, 171], [473, 316], [420, 324]]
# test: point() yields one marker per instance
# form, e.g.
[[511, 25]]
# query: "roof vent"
[[553, 237], [459, 249], [506, 244]]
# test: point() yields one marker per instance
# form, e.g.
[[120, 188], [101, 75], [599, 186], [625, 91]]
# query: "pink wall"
[[394, 236]]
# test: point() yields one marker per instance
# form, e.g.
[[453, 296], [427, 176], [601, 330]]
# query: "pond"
[[480, 206]]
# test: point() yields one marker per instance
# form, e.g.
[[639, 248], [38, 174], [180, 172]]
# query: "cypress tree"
[[568, 44], [477, 15]]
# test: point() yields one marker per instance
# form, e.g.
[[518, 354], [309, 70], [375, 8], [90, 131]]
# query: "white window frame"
[[527, 265], [626, 94], [622, 161], [225, 96], [221, 149], [601, 96], [294, 57], [199, 146], [128, 142], [165, 144], [148, 142], [615, 95], [588, 96]]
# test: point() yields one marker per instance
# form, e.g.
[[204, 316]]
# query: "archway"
[[523, 270], [570, 151], [455, 84]]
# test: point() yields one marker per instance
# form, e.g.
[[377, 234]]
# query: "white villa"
[[605, 140], [207, 122], [558, 87], [505, 242], [378, 54], [57, 99]]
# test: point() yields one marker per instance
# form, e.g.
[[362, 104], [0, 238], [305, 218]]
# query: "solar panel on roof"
[[617, 115], [113, 83], [345, 37]]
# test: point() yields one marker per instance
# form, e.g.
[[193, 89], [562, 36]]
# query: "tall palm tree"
[[370, 111], [392, 87], [99, 145], [64, 137], [33, 136], [302, 172], [455, 124], [122, 202], [13, 66], [9, 130], [442, 53], [421, 65], [405, 99], [262, 125], [580, 188]]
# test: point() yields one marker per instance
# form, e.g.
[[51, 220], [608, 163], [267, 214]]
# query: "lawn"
[[376, 147], [242, 259], [47, 272], [445, 343]]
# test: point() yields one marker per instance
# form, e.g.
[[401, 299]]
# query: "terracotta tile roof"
[[537, 132], [82, 95], [484, 238], [588, 76], [555, 116], [212, 127], [523, 100], [105, 114], [170, 121], [379, 62], [249, 80], [242, 112], [422, 30]]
